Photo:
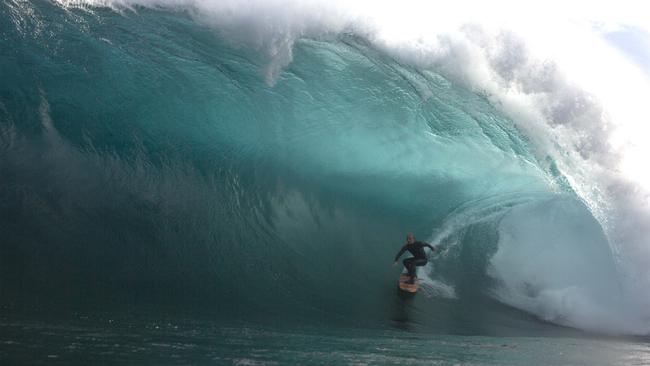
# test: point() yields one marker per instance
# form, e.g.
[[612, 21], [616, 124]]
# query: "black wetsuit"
[[418, 259]]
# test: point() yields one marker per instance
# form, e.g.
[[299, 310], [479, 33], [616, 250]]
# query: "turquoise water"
[[149, 164]]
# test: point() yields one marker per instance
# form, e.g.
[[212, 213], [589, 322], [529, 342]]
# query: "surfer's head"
[[410, 238]]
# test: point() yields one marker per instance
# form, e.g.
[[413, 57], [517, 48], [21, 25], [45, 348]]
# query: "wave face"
[[147, 157]]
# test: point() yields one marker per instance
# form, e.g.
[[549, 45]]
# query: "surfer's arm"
[[433, 249], [401, 251]]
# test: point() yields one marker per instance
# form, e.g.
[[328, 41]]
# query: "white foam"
[[432, 287]]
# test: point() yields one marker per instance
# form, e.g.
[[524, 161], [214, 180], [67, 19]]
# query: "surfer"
[[416, 248]]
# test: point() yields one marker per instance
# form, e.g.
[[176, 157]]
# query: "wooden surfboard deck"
[[405, 286]]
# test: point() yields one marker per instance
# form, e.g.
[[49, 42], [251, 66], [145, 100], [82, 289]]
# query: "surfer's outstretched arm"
[[433, 249], [401, 251]]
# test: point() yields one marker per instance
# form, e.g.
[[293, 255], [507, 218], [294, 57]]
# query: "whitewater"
[[263, 161]]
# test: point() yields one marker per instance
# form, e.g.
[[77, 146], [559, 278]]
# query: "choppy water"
[[178, 342]]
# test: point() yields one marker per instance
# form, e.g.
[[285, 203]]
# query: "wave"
[[254, 158]]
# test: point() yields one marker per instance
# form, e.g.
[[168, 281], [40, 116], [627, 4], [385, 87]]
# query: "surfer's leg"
[[412, 267], [408, 263], [418, 263]]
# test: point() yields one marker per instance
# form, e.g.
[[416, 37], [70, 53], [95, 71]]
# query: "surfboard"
[[408, 287]]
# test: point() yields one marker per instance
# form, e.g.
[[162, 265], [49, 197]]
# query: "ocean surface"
[[163, 341], [189, 183]]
